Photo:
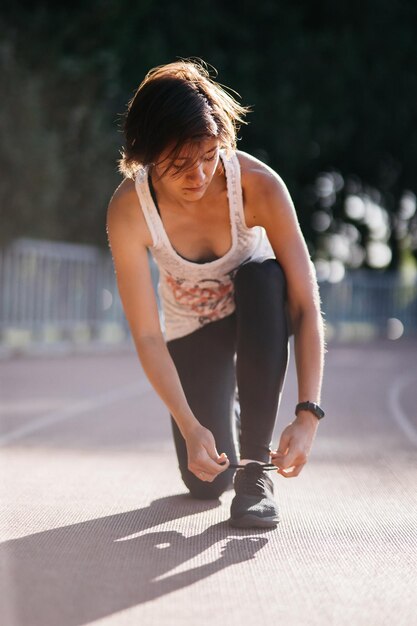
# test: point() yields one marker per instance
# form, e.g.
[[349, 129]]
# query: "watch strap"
[[313, 407]]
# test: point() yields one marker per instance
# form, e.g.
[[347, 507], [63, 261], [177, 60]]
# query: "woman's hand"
[[203, 458], [295, 445]]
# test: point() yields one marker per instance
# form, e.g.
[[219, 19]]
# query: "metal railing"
[[368, 303], [57, 291]]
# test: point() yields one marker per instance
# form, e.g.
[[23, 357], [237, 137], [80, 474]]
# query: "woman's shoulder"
[[126, 187], [259, 180], [125, 207]]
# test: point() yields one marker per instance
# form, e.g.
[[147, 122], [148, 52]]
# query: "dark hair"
[[177, 104]]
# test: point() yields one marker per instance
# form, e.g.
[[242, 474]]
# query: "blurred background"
[[333, 91]]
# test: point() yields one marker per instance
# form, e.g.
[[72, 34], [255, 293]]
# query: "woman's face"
[[191, 183]]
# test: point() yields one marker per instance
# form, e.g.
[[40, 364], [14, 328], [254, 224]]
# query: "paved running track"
[[96, 526]]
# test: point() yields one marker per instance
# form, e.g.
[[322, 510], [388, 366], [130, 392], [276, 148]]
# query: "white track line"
[[136, 389], [394, 394]]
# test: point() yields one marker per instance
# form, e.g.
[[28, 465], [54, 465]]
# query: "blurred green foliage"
[[333, 88]]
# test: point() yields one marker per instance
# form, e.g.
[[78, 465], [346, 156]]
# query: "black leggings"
[[244, 354]]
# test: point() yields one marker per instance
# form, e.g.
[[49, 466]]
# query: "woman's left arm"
[[276, 213]]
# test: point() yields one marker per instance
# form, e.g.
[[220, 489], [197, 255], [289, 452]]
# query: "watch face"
[[317, 410]]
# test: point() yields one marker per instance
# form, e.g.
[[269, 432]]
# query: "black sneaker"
[[253, 505]]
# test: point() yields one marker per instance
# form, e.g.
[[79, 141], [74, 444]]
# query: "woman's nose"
[[197, 174]]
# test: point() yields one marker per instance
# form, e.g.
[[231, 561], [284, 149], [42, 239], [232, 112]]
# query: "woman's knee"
[[203, 490], [256, 272]]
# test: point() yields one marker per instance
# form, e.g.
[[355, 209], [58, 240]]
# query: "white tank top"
[[193, 294]]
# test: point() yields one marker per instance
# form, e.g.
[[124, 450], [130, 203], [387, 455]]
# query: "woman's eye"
[[178, 167]]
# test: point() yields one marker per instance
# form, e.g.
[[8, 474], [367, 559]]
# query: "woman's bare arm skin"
[[128, 239], [270, 206]]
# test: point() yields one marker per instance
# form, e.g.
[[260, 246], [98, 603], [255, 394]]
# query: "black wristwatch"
[[312, 407]]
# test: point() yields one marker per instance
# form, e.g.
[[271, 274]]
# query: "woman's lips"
[[194, 188]]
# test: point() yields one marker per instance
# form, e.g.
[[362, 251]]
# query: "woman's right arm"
[[127, 232]]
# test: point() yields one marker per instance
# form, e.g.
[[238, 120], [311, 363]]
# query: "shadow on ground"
[[83, 572]]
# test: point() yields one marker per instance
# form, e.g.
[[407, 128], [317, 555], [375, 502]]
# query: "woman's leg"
[[262, 353], [204, 360]]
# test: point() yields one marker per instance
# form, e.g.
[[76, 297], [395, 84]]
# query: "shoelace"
[[252, 481], [265, 466]]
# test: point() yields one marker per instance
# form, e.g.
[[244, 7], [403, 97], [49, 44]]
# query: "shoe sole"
[[252, 521]]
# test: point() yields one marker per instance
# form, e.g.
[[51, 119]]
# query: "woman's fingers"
[[291, 471], [209, 469], [206, 476], [203, 459], [223, 461]]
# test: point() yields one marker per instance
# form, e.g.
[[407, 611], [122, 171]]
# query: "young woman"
[[235, 281]]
